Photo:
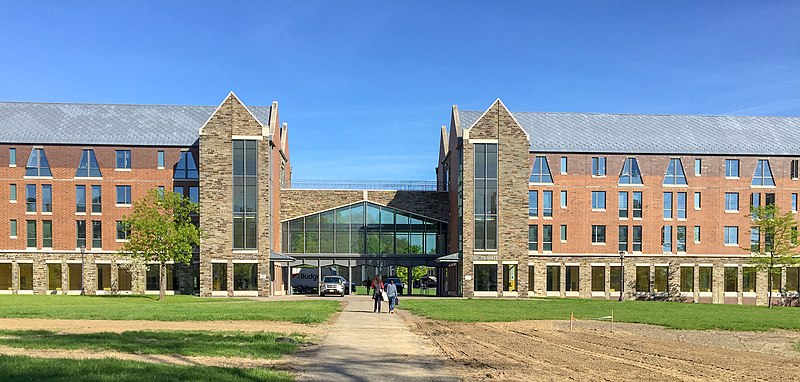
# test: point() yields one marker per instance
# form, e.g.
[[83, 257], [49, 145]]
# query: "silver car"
[[332, 285]]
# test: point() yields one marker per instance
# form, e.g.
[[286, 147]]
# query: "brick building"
[[524, 204]]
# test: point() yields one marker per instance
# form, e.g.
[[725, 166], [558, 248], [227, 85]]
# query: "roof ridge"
[[646, 114], [110, 104]]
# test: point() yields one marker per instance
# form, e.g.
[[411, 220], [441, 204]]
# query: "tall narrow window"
[[794, 202], [630, 173], [30, 231], [533, 237], [533, 203], [187, 168], [88, 167], [194, 194], [97, 199], [80, 229], [698, 166], [795, 169], [637, 238], [13, 228], [563, 165], [160, 162], [731, 235], [598, 234], [12, 192], [123, 230], [731, 201], [37, 164], [245, 191], [681, 210], [680, 238], [598, 200], [547, 204], [755, 239], [637, 204], [667, 205], [675, 174], [123, 159], [666, 238], [80, 198], [30, 198], [97, 234], [623, 238], [563, 232], [563, 198], [47, 198], [763, 174], [47, 234], [540, 172], [12, 157], [697, 234], [697, 200], [599, 166], [547, 238], [731, 168], [623, 204]]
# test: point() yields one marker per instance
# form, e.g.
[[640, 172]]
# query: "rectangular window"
[[160, 159], [680, 238], [687, 279], [80, 229], [245, 276], [755, 239], [13, 228], [47, 233], [637, 204], [731, 235], [553, 278], [598, 200], [30, 198], [598, 234], [510, 277], [547, 204], [219, 277], [794, 202], [667, 205], [533, 203], [47, 198], [623, 204], [749, 279], [97, 234], [533, 237], [74, 276], [563, 165], [80, 198], [573, 279], [547, 238], [706, 277], [124, 195], [30, 232], [485, 277], [697, 234], [731, 279], [666, 238], [698, 166], [614, 278], [563, 198], [12, 157], [623, 238], [697, 200], [104, 277], [486, 197], [731, 168], [123, 159], [731, 201], [792, 280], [194, 194], [54, 276], [660, 281], [769, 199], [97, 199], [12, 192], [531, 275], [598, 166], [794, 169], [123, 232], [681, 210], [563, 232], [637, 238], [643, 279]]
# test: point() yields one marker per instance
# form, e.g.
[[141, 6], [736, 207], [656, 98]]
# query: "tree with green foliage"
[[777, 242], [416, 273], [161, 229]]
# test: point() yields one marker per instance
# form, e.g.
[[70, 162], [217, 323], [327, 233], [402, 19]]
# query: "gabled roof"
[[105, 124], [655, 133]]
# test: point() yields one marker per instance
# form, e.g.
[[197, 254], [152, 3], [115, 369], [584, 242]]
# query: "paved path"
[[366, 346]]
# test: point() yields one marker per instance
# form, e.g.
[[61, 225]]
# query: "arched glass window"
[[763, 174], [675, 174], [630, 173], [88, 167], [541, 171], [37, 164], [186, 168]]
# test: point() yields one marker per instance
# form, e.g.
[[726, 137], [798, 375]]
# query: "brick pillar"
[[740, 286], [14, 277], [607, 286], [630, 279], [696, 283], [114, 277], [264, 278], [64, 277], [229, 272], [522, 278], [718, 283], [762, 291], [39, 276], [562, 287], [90, 274], [585, 284]]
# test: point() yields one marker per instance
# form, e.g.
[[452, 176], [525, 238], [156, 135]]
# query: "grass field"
[[668, 314], [173, 308], [187, 343], [21, 368]]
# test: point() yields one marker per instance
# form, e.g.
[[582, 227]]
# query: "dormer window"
[[88, 167], [37, 164], [186, 168], [675, 175], [541, 171], [630, 173], [763, 175]]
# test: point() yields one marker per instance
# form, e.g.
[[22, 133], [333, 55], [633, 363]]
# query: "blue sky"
[[365, 86]]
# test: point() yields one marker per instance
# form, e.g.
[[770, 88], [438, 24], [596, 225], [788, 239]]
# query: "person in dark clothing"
[[377, 285]]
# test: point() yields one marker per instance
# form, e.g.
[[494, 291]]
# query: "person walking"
[[377, 285], [391, 292]]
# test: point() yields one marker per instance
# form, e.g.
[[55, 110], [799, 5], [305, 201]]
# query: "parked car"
[[332, 285], [397, 282]]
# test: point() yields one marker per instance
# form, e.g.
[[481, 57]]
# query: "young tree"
[[777, 241], [161, 230], [416, 273]]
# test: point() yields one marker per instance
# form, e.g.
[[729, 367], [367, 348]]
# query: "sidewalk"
[[366, 346]]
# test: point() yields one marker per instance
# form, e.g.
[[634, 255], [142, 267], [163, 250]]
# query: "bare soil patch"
[[548, 351]]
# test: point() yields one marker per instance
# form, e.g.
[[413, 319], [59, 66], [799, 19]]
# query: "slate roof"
[[655, 134], [102, 124]]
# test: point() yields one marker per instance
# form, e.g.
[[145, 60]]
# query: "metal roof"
[[102, 124], [655, 133]]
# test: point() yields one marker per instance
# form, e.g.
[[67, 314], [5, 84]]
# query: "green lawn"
[[187, 343], [21, 368], [668, 314], [173, 308]]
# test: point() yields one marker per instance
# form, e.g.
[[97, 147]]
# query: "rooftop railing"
[[399, 185]]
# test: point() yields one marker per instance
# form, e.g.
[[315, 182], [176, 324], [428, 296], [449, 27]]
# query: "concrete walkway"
[[366, 346]]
